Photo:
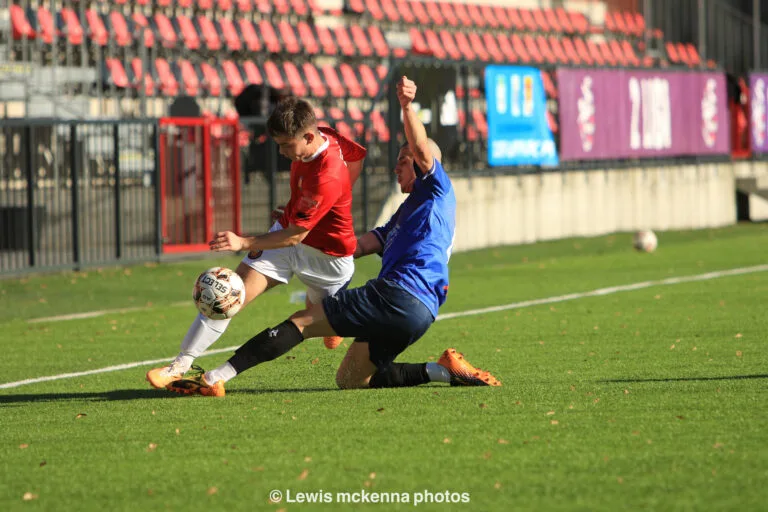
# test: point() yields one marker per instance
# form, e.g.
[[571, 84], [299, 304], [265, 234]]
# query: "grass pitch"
[[652, 399]]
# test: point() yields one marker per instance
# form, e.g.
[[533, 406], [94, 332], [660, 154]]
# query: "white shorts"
[[323, 274]]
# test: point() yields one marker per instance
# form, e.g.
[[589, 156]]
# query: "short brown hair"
[[290, 117]]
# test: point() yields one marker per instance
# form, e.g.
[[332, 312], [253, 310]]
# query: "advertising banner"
[[758, 86], [518, 131], [613, 114]]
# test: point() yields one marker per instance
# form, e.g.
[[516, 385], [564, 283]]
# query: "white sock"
[[223, 372], [201, 334], [438, 373]]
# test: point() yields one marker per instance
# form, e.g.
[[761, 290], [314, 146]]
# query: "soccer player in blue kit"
[[388, 313]]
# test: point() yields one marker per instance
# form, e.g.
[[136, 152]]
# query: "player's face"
[[293, 148], [406, 175]]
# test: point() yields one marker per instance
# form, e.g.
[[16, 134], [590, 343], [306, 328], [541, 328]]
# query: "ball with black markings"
[[219, 293]]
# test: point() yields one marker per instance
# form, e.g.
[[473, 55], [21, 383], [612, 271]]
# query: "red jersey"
[[321, 196]]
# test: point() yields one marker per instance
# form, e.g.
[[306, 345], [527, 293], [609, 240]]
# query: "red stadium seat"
[[479, 47], [45, 24], [361, 41], [274, 77], [163, 3], [20, 26], [268, 34], [210, 35], [492, 47], [120, 29], [190, 80], [464, 46], [235, 83], [489, 17], [618, 20], [532, 49], [380, 126], [506, 48], [137, 67], [380, 45], [554, 23], [672, 54], [570, 51], [74, 28], [326, 40], [149, 35], [387, 9], [476, 15], [244, 6], [579, 21], [449, 16], [605, 51], [545, 50], [462, 15], [564, 20], [422, 18], [168, 84], [418, 44], [211, 79], [290, 43], [252, 41], [404, 10], [263, 6], [369, 80], [231, 38], [188, 32], [433, 43], [252, 73], [629, 22], [282, 6], [549, 85], [295, 82], [552, 122], [584, 53], [542, 24], [186, 4], [333, 82], [313, 79], [594, 51], [117, 72], [558, 50], [307, 38], [434, 12], [515, 20], [520, 50], [381, 71], [344, 41], [640, 23], [299, 7], [450, 45], [529, 23], [609, 23], [694, 58], [165, 30], [225, 5], [478, 118], [357, 6], [350, 80], [500, 13], [629, 53], [618, 53]]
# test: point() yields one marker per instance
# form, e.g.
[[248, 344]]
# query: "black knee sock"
[[399, 375], [269, 344]]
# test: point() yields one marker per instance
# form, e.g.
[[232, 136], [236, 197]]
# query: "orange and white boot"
[[463, 373]]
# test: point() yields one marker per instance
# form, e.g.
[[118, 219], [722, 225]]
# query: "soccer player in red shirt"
[[313, 239]]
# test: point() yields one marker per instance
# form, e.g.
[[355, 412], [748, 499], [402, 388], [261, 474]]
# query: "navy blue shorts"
[[380, 313]]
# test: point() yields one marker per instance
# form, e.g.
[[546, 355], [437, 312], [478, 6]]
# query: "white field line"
[[101, 312], [494, 309]]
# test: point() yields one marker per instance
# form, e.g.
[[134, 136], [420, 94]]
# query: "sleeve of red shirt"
[[351, 151], [318, 195]]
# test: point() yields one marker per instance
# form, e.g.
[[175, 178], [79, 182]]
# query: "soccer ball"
[[219, 293], [645, 241]]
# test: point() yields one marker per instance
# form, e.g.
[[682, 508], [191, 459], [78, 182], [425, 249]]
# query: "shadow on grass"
[[688, 379], [135, 394]]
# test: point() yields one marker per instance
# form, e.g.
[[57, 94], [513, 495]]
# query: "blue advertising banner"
[[518, 131]]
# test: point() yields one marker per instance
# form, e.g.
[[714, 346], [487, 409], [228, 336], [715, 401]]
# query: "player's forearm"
[[367, 244], [416, 135], [288, 237]]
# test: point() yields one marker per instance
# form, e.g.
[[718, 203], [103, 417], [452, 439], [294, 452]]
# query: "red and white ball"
[[219, 293], [645, 241]]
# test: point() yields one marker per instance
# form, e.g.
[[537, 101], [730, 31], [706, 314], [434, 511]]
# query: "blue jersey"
[[418, 239]]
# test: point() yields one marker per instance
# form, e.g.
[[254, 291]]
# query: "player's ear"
[[309, 137]]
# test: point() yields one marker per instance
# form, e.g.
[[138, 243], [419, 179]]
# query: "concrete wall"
[[507, 210]]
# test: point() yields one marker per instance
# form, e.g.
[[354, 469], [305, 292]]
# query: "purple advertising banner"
[[611, 114], [758, 85]]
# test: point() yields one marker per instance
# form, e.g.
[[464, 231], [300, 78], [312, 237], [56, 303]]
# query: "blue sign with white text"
[[518, 130]]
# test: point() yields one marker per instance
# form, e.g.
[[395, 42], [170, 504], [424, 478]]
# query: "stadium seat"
[[290, 43], [618, 53], [168, 36], [357, 7], [361, 41], [344, 41], [74, 30], [225, 5], [169, 86], [621, 26], [605, 51], [520, 50], [579, 21], [639, 23], [273, 75], [479, 47], [553, 21], [190, 80], [229, 31], [544, 50], [380, 45], [244, 6], [188, 32], [252, 73], [464, 46], [450, 45], [500, 13], [479, 120], [186, 4], [210, 35], [380, 126], [137, 67], [629, 53], [350, 80], [299, 7], [471, 131], [307, 38], [119, 28], [490, 20], [282, 7], [529, 23], [584, 54], [595, 53], [506, 48], [235, 84], [570, 51], [565, 20], [295, 82], [418, 43], [542, 24], [149, 35], [609, 23], [532, 49], [404, 10], [326, 40], [557, 49], [629, 22], [461, 14], [493, 48], [20, 26], [434, 13], [369, 80], [549, 86], [433, 43], [672, 54], [211, 79], [693, 55], [476, 15], [314, 80], [268, 34], [332, 80], [422, 18], [117, 74], [449, 16], [552, 122], [46, 27], [381, 71], [252, 41], [163, 3], [263, 6]]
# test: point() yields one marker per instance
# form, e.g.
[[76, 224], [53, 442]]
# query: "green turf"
[[650, 399]]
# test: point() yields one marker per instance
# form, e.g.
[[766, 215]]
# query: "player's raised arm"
[[415, 133]]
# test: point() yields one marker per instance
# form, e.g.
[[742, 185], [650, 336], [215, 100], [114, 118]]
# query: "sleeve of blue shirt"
[[437, 179], [381, 232]]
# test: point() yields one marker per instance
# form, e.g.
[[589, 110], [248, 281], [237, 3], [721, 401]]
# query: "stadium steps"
[[753, 185]]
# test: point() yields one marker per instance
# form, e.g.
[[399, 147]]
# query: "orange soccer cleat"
[[463, 373], [197, 386], [161, 377]]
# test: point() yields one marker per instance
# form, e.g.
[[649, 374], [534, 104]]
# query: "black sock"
[[399, 375], [269, 344]]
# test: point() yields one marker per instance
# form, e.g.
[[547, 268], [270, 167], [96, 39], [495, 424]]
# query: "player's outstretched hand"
[[227, 241], [406, 91]]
